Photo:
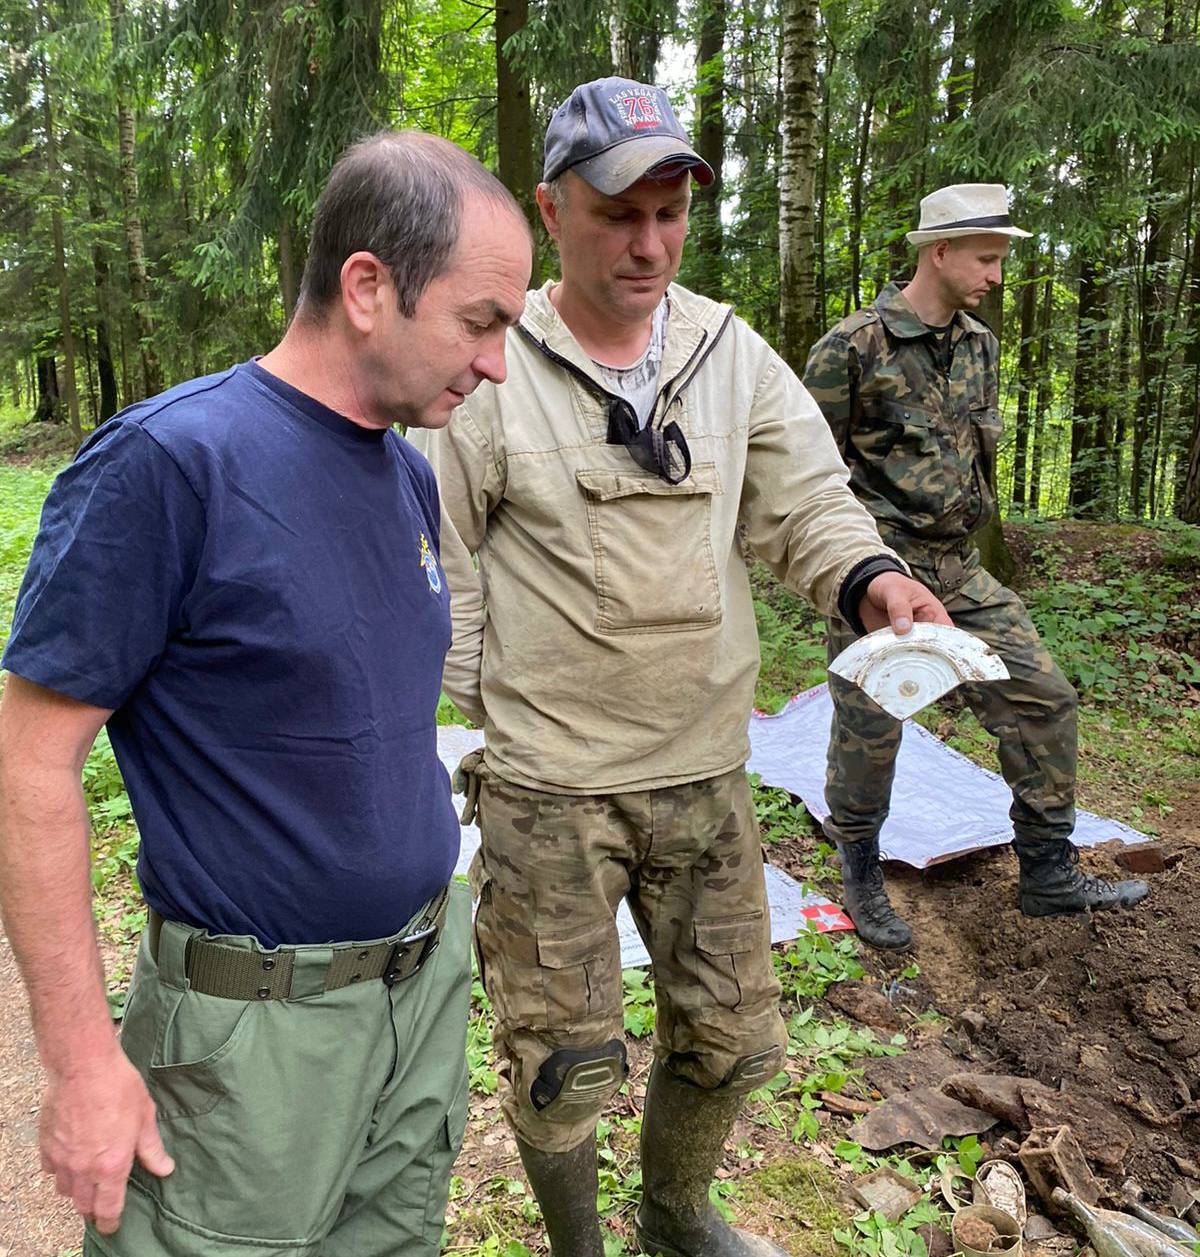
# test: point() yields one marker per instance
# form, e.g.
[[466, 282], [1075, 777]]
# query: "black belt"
[[250, 973]]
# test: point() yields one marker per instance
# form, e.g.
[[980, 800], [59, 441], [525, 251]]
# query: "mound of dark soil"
[[1105, 1007]]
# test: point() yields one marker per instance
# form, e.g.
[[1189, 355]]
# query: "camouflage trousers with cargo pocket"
[[551, 872], [1032, 714]]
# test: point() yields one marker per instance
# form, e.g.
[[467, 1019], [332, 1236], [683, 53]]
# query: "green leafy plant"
[[821, 1055], [619, 1175], [814, 961], [481, 1074], [639, 1006], [779, 815], [791, 642], [873, 1235]]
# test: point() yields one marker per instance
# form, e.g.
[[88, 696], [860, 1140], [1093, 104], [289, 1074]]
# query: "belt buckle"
[[426, 939]]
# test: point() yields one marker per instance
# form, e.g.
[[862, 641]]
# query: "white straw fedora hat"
[[965, 209]]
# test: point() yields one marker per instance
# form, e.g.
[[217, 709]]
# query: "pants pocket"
[[581, 972], [267, 1124], [200, 1032], [732, 961]]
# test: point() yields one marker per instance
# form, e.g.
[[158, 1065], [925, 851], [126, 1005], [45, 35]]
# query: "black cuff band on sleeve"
[[854, 587]]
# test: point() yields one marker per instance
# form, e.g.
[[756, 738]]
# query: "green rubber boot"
[[683, 1136], [565, 1184]]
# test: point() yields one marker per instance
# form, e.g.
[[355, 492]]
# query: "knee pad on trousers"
[[750, 1072], [575, 1083]]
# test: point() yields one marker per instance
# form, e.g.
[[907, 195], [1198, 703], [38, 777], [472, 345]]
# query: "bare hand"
[[895, 599], [94, 1121]]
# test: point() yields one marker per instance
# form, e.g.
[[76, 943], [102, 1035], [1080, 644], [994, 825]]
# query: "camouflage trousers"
[[1032, 714], [550, 875]]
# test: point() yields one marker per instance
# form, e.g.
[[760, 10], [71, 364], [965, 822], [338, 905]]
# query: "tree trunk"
[[900, 262], [289, 52], [797, 253], [104, 369], [1090, 391], [131, 203], [91, 377], [1151, 360], [514, 121], [126, 388], [1122, 412], [1187, 498], [108, 404], [636, 33], [289, 279], [823, 188], [1025, 380], [66, 331], [856, 202], [710, 144], [1045, 389], [957, 79], [49, 404]]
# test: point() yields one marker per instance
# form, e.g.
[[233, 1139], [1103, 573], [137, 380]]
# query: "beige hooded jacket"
[[607, 641]]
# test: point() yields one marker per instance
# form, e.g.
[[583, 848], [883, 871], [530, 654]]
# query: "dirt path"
[[34, 1222]]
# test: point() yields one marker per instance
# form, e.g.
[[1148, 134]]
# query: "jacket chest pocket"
[[652, 544], [906, 458], [985, 428]]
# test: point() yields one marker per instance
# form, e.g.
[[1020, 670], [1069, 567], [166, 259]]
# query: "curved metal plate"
[[904, 674]]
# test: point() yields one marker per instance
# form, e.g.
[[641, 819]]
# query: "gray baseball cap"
[[613, 131]]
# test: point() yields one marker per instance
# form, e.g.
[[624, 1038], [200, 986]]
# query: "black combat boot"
[[683, 1135], [565, 1184], [1051, 883], [866, 900]]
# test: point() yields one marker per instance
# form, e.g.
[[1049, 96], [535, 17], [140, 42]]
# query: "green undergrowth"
[[1123, 624], [22, 491], [779, 815], [791, 642], [802, 1197]]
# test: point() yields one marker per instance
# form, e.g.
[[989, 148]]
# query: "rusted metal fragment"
[[923, 1117], [1052, 1159]]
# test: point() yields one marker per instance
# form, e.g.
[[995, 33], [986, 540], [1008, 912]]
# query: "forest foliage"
[[159, 164]]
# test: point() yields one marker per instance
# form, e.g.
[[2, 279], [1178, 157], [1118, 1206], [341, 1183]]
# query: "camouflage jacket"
[[918, 434]]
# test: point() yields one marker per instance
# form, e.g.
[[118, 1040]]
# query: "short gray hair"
[[398, 195], [556, 192]]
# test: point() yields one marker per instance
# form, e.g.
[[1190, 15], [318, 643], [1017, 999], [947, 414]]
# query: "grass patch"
[[23, 441], [803, 1198], [22, 492]]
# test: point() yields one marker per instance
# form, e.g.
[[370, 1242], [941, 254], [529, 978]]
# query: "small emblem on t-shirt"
[[638, 110], [429, 563]]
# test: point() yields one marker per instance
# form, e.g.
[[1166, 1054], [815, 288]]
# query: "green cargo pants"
[[551, 873], [322, 1125], [1032, 714]]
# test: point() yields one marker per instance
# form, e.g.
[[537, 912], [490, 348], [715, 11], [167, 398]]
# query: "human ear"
[[365, 285], [549, 211]]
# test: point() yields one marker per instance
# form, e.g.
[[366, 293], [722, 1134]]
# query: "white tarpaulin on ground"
[[943, 805], [793, 909]]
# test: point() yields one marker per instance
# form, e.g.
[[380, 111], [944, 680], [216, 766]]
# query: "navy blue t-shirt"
[[251, 582]]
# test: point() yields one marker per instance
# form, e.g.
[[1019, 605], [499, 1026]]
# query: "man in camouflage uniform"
[[607, 645], [908, 386]]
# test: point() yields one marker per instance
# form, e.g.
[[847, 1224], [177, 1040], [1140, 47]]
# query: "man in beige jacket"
[[607, 646]]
